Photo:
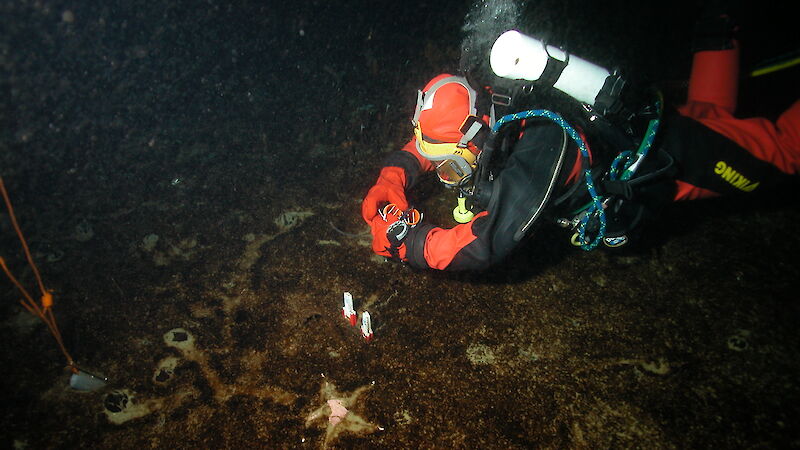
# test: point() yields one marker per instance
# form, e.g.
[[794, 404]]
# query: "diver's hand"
[[390, 188], [383, 231]]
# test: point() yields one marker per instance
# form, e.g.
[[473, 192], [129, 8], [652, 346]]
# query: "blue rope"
[[644, 147], [596, 207]]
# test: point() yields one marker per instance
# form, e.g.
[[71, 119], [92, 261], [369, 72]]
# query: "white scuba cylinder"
[[520, 57]]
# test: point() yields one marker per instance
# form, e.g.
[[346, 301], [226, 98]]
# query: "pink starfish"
[[338, 411], [340, 418]]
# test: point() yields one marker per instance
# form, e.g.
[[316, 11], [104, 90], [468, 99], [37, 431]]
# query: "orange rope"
[[44, 312], [21, 237]]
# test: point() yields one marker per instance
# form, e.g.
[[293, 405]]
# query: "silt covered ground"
[[189, 178]]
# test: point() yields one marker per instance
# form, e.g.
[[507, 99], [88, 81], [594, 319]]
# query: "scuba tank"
[[516, 56], [605, 203]]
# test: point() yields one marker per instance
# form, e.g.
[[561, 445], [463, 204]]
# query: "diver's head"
[[445, 126]]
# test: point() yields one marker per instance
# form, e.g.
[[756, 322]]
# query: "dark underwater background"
[[189, 174]]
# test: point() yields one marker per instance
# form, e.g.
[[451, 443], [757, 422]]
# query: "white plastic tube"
[[366, 326], [347, 310], [520, 57]]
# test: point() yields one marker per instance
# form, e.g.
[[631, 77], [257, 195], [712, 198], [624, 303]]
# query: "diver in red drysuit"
[[713, 153], [712, 99]]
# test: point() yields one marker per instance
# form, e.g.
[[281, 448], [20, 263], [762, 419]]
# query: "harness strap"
[[552, 69], [472, 128]]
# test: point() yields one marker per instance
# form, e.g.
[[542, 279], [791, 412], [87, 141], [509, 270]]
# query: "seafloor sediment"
[[189, 180]]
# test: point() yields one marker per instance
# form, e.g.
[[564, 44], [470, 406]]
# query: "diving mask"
[[454, 163]]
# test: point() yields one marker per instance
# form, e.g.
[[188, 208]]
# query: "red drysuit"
[[712, 100], [717, 153]]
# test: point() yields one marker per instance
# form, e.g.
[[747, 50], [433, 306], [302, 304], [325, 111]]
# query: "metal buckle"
[[501, 100]]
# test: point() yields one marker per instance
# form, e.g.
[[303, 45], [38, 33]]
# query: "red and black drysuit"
[[715, 153]]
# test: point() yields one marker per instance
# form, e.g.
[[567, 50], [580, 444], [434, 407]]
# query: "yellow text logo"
[[733, 177]]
